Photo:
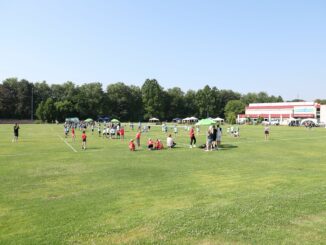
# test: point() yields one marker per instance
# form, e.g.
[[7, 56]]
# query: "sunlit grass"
[[251, 192]]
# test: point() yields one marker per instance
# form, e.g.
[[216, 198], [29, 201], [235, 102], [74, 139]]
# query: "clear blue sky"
[[277, 46]]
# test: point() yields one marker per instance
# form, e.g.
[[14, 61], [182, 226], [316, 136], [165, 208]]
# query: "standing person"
[[138, 137], [73, 136], [175, 129], [198, 129], [16, 132], [66, 130], [92, 127], [218, 137], [266, 131], [214, 135], [84, 137], [99, 130], [209, 139], [122, 133], [192, 137]]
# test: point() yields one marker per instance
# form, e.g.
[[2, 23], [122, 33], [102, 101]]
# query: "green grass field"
[[250, 192]]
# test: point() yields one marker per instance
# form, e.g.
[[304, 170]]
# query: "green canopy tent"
[[115, 121], [88, 120], [206, 122]]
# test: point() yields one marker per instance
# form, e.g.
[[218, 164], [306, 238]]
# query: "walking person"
[[84, 137], [16, 133], [73, 136], [192, 137]]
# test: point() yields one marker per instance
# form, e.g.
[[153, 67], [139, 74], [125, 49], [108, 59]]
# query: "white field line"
[[65, 141], [186, 146], [71, 147]]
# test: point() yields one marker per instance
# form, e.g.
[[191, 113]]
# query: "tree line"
[[128, 103]]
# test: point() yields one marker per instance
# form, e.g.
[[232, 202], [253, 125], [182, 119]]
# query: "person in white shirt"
[[170, 142]]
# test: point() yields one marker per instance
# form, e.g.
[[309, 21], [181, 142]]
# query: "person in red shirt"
[[138, 138], [158, 145], [192, 137], [150, 144], [73, 134], [131, 145], [84, 137], [122, 133]]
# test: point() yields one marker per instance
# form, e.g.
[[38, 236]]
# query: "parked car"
[[274, 122]]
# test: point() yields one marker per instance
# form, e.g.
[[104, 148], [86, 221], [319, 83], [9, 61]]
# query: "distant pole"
[[32, 104]]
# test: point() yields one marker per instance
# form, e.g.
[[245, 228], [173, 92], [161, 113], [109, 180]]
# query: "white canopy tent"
[[190, 120], [218, 119], [154, 119]]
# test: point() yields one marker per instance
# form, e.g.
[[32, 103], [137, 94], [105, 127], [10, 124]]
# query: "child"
[[73, 134], [150, 144], [266, 131], [192, 137], [175, 130], [99, 130], [138, 138], [122, 133], [66, 131], [158, 145], [84, 140], [131, 145]]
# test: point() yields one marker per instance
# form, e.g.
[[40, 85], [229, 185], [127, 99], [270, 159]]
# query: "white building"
[[285, 110]]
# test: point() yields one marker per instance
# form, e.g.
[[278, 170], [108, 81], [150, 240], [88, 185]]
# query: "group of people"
[[151, 145], [214, 135], [112, 131]]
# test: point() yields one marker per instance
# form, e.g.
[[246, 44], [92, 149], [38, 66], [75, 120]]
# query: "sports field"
[[250, 192]]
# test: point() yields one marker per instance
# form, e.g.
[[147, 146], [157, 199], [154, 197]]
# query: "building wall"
[[323, 113], [282, 110]]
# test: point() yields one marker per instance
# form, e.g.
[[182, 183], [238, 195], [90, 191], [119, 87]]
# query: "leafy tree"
[[46, 111], [320, 101], [15, 98], [190, 104], [64, 109], [125, 101], [233, 108], [175, 103], [152, 99], [89, 101], [204, 101], [224, 97]]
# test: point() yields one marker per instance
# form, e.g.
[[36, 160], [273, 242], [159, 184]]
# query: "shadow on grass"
[[227, 146]]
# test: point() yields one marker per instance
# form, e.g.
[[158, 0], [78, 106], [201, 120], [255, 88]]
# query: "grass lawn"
[[250, 192]]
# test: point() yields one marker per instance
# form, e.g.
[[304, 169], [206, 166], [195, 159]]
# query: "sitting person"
[[150, 144], [132, 145], [158, 145], [236, 134], [170, 142]]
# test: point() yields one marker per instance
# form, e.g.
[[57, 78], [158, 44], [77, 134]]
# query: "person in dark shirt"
[[16, 132]]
